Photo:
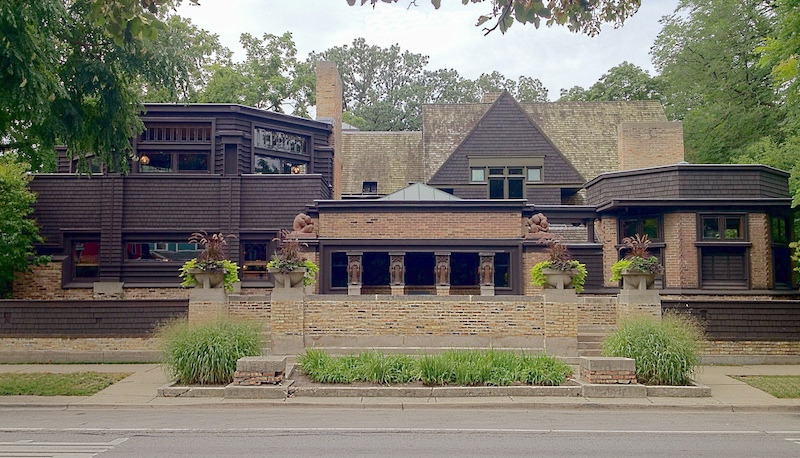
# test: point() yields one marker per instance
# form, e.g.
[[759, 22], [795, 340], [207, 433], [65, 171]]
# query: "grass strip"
[[50, 384], [456, 367], [780, 386]]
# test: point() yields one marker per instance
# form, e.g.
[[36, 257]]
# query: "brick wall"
[[416, 225], [597, 312], [649, 144], [606, 231], [761, 275], [530, 259], [429, 317], [680, 253], [329, 105], [96, 344], [750, 348], [44, 283]]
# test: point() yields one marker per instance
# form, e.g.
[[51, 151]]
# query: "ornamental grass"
[[455, 367], [206, 353], [666, 351]]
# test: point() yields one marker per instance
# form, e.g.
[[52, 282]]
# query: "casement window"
[[723, 251], [85, 259], [369, 187], [644, 225], [266, 164], [781, 252], [255, 256], [161, 250], [506, 177], [173, 161]]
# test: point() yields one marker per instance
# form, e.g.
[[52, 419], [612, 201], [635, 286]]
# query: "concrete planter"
[[208, 278], [558, 279], [288, 279], [632, 279]]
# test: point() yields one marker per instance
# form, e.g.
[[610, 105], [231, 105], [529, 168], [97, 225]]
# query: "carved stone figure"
[[442, 270], [303, 226], [538, 227], [397, 270], [486, 271], [354, 270]]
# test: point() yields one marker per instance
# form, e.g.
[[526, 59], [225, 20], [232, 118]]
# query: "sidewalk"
[[140, 390]]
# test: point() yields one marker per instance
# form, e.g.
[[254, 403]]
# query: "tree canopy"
[[625, 81], [586, 16]]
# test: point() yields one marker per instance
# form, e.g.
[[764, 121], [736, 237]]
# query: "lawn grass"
[[457, 367], [50, 384], [780, 386]]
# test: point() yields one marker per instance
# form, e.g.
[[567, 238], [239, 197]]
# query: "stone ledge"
[[592, 390], [173, 390], [695, 390]]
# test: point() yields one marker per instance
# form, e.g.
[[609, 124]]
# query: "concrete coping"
[[607, 363], [266, 364]]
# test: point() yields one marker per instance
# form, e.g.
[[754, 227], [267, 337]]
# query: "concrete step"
[[590, 352], [591, 337]]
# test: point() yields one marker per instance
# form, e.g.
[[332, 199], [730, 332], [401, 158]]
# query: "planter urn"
[[558, 279], [288, 279], [637, 280], [208, 278]]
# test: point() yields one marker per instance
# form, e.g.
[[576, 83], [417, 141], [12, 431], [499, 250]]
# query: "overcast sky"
[[557, 57]]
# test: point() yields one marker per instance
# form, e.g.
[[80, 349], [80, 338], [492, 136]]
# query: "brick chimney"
[[330, 105], [649, 144]]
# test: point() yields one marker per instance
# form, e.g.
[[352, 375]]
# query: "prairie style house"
[[445, 209]]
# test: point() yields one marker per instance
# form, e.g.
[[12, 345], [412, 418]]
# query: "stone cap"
[[271, 364]]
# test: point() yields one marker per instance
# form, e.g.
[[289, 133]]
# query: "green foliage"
[[289, 257], [385, 88], [269, 78], [706, 53], [666, 351], [637, 258], [73, 73], [795, 246], [206, 353], [18, 231], [779, 54], [48, 384], [464, 367], [559, 259], [231, 272], [583, 17], [626, 81]]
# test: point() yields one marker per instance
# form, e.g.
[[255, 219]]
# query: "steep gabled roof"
[[505, 130]]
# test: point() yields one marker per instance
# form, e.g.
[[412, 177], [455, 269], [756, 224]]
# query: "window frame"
[[711, 246]]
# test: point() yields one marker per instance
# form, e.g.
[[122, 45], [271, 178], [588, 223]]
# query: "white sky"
[[557, 57]]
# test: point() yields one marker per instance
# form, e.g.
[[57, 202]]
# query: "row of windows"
[[506, 182]]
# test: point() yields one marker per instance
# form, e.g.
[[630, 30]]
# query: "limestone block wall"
[[416, 225], [761, 266]]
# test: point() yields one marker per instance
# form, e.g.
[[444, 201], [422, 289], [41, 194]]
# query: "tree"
[[269, 78], [780, 54], [586, 16], [18, 232], [707, 59], [625, 81], [72, 75], [194, 53], [385, 88]]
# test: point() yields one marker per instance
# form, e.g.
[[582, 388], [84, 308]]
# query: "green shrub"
[[666, 351], [458, 367], [206, 353]]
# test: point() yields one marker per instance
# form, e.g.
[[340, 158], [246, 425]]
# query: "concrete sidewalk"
[[140, 389]]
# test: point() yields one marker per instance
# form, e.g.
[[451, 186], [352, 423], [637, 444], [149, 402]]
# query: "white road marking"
[[31, 449], [387, 430]]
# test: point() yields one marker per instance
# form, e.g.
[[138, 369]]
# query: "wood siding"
[[71, 319], [744, 320]]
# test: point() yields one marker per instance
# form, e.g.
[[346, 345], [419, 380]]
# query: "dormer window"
[[506, 176]]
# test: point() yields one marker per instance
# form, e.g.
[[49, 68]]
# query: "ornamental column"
[[441, 273], [486, 273], [355, 273], [397, 272]]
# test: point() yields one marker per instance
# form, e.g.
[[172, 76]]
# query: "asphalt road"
[[270, 431]]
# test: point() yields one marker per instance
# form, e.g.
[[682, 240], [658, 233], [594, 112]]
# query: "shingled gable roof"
[[506, 130]]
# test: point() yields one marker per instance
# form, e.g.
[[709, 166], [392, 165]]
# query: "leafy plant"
[[206, 353], [637, 259], [289, 257], [213, 258], [666, 351], [559, 258], [18, 231]]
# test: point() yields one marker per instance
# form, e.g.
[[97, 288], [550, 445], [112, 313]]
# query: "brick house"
[[599, 171]]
